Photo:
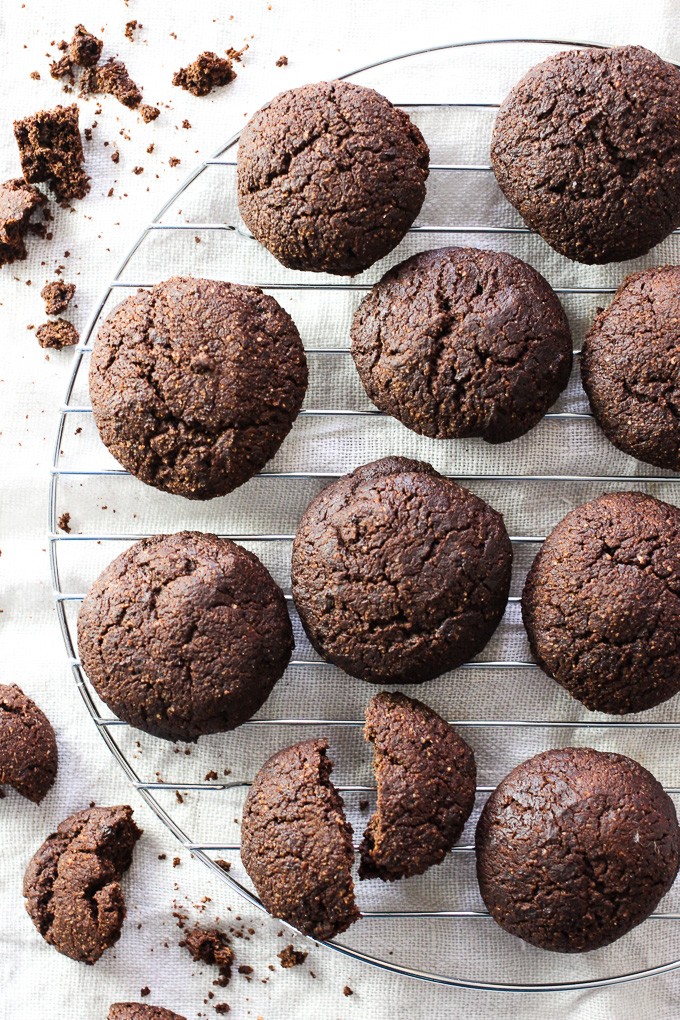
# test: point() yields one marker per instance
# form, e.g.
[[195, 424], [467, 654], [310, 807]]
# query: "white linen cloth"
[[321, 40]]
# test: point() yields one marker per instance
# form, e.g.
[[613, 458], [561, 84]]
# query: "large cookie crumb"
[[207, 72], [19, 202], [57, 334], [51, 150], [57, 296]]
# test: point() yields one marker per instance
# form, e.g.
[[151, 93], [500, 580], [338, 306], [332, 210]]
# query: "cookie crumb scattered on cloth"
[[207, 72]]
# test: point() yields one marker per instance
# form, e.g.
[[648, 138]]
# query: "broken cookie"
[[57, 334], [18, 204], [72, 884], [140, 1011], [57, 296], [85, 48], [296, 843], [426, 778], [112, 78], [207, 72], [211, 946], [51, 150], [28, 749]]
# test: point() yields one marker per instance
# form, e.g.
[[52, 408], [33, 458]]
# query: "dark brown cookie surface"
[[51, 150], [296, 844], [398, 573], [601, 603], [460, 342], [28, 748], [587, 148], [426, 777], [630, 367], [575, 848], [72, 884], [184, 634], [196, 383], [20, 204], [141, 1011], [330, 177]]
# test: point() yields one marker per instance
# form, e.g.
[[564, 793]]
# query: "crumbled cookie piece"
[[347, 991], [112, 78], [234, 54], [207, 72], [85, 48], [72, 884], [18, 204], [51, 150], [62, 67], [130, 29], [174, 161], [148, 113], [57, 296], [140, 1011], [28, 749], [282, 62], [211, 946], [57, 334], [64, 523], [291, 957]]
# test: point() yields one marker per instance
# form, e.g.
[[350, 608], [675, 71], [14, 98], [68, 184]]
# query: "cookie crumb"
[[62, 67], [291, 957], [222, 1008], [211, 946], [148, 113], [347, 991], [113, 79], [211, 775], [50, 150], [176, 861], [57, 334], [85, 48], [174, 161], [207, 72], [64, 523], [138, 170], [224, 865], [144, 991], [57, 296], [130, 27], [282, 62], [19, 202], [35, 75]]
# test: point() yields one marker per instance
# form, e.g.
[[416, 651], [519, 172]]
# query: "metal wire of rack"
[[66, 600]]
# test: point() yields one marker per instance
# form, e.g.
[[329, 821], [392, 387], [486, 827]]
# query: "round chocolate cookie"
[[601, 603], [296, 844], [398, 573], [460, 342], [196, 383], [575, 848], [72, 883], [184, 634], [425, 775], [330, 177], [141, 1011], [28, 748], [630, 367], [587, 148]]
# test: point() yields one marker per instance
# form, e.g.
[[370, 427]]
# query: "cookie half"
[[28, 748]]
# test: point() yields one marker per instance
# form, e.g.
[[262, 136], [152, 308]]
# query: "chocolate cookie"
[[72, 884], [630, 364], [296, 844], [460, 342], [28, 749], [184, 634], [426, 779], [140, 1011], [330, 177], [575, 848], [587, 148], [601, 603], [398, 573], [196, 383]]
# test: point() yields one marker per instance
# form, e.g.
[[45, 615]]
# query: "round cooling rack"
[[433, 927]]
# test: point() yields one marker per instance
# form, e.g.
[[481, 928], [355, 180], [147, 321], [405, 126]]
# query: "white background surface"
[[321, 39]]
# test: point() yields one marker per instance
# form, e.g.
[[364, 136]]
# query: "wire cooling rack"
[[433, 927]]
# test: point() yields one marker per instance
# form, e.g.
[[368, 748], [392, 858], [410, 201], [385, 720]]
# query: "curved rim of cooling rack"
[[145, 789]]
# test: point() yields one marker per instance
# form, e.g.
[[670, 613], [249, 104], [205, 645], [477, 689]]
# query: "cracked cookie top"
[[398, 573], [425, 774], [184, 634], [460, 342], [601, 603], [587, 148], [575, 848], [296, 844], [196, 383], [631, 367], [330, 177], [72, 884], [28, 748]]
